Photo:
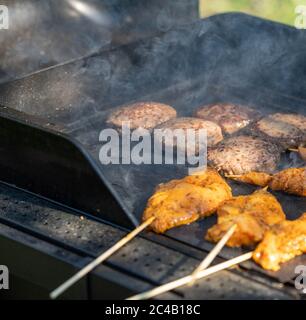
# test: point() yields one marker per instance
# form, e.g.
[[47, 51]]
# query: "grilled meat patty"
[[145, 115], [183, 201], [284, 129], [241, 154], [213, 131], [230, 117], [253, 214], [282, 243], [294, 119]]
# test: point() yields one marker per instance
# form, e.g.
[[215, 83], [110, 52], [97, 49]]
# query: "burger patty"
[[213, 131], [145, 115], [230, 117], [242, 154], [294, 119], [286, 133]]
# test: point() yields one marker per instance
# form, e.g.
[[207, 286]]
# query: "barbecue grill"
[[50, 125]]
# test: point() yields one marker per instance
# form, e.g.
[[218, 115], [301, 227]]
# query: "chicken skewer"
[[184, 201], [242, 220], [175, 203], [292, 180], [281, 243], [260, 219], [253, 214]]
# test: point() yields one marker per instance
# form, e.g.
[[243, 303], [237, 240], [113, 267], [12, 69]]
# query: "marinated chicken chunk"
[[282, 243], [253, 215], [230, 117], [261, 179], [183, 201], [292, 180], [242, 154]]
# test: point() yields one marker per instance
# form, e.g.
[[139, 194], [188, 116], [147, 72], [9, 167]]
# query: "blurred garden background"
[[276, 10]]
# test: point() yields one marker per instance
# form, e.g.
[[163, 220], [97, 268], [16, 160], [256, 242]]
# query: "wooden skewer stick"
[[185, 280], [213, 253], [83, 272]]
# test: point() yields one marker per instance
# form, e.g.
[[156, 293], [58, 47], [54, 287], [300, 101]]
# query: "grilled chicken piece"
[[261, 179], [253, 214], [284, 129], [230, 117], [183, 201], [292, 180], [282, 243], [242, 154]]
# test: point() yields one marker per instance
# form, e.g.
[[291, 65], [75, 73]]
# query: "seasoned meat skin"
[[281, 243], [261, 179], [242, 154], [230, 117], [214, 132], [183, 201], [145, 115], [282, 132], [253, 214], [292, 180]]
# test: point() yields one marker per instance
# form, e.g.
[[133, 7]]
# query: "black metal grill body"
[[43, 244], [50, 140]]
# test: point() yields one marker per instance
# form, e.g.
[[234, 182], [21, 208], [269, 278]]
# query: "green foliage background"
[[277, 10]]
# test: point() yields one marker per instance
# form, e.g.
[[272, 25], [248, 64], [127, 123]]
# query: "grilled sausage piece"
[[284, 129], [145, 115], [242, 154], [230, 117], [213, 131]]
